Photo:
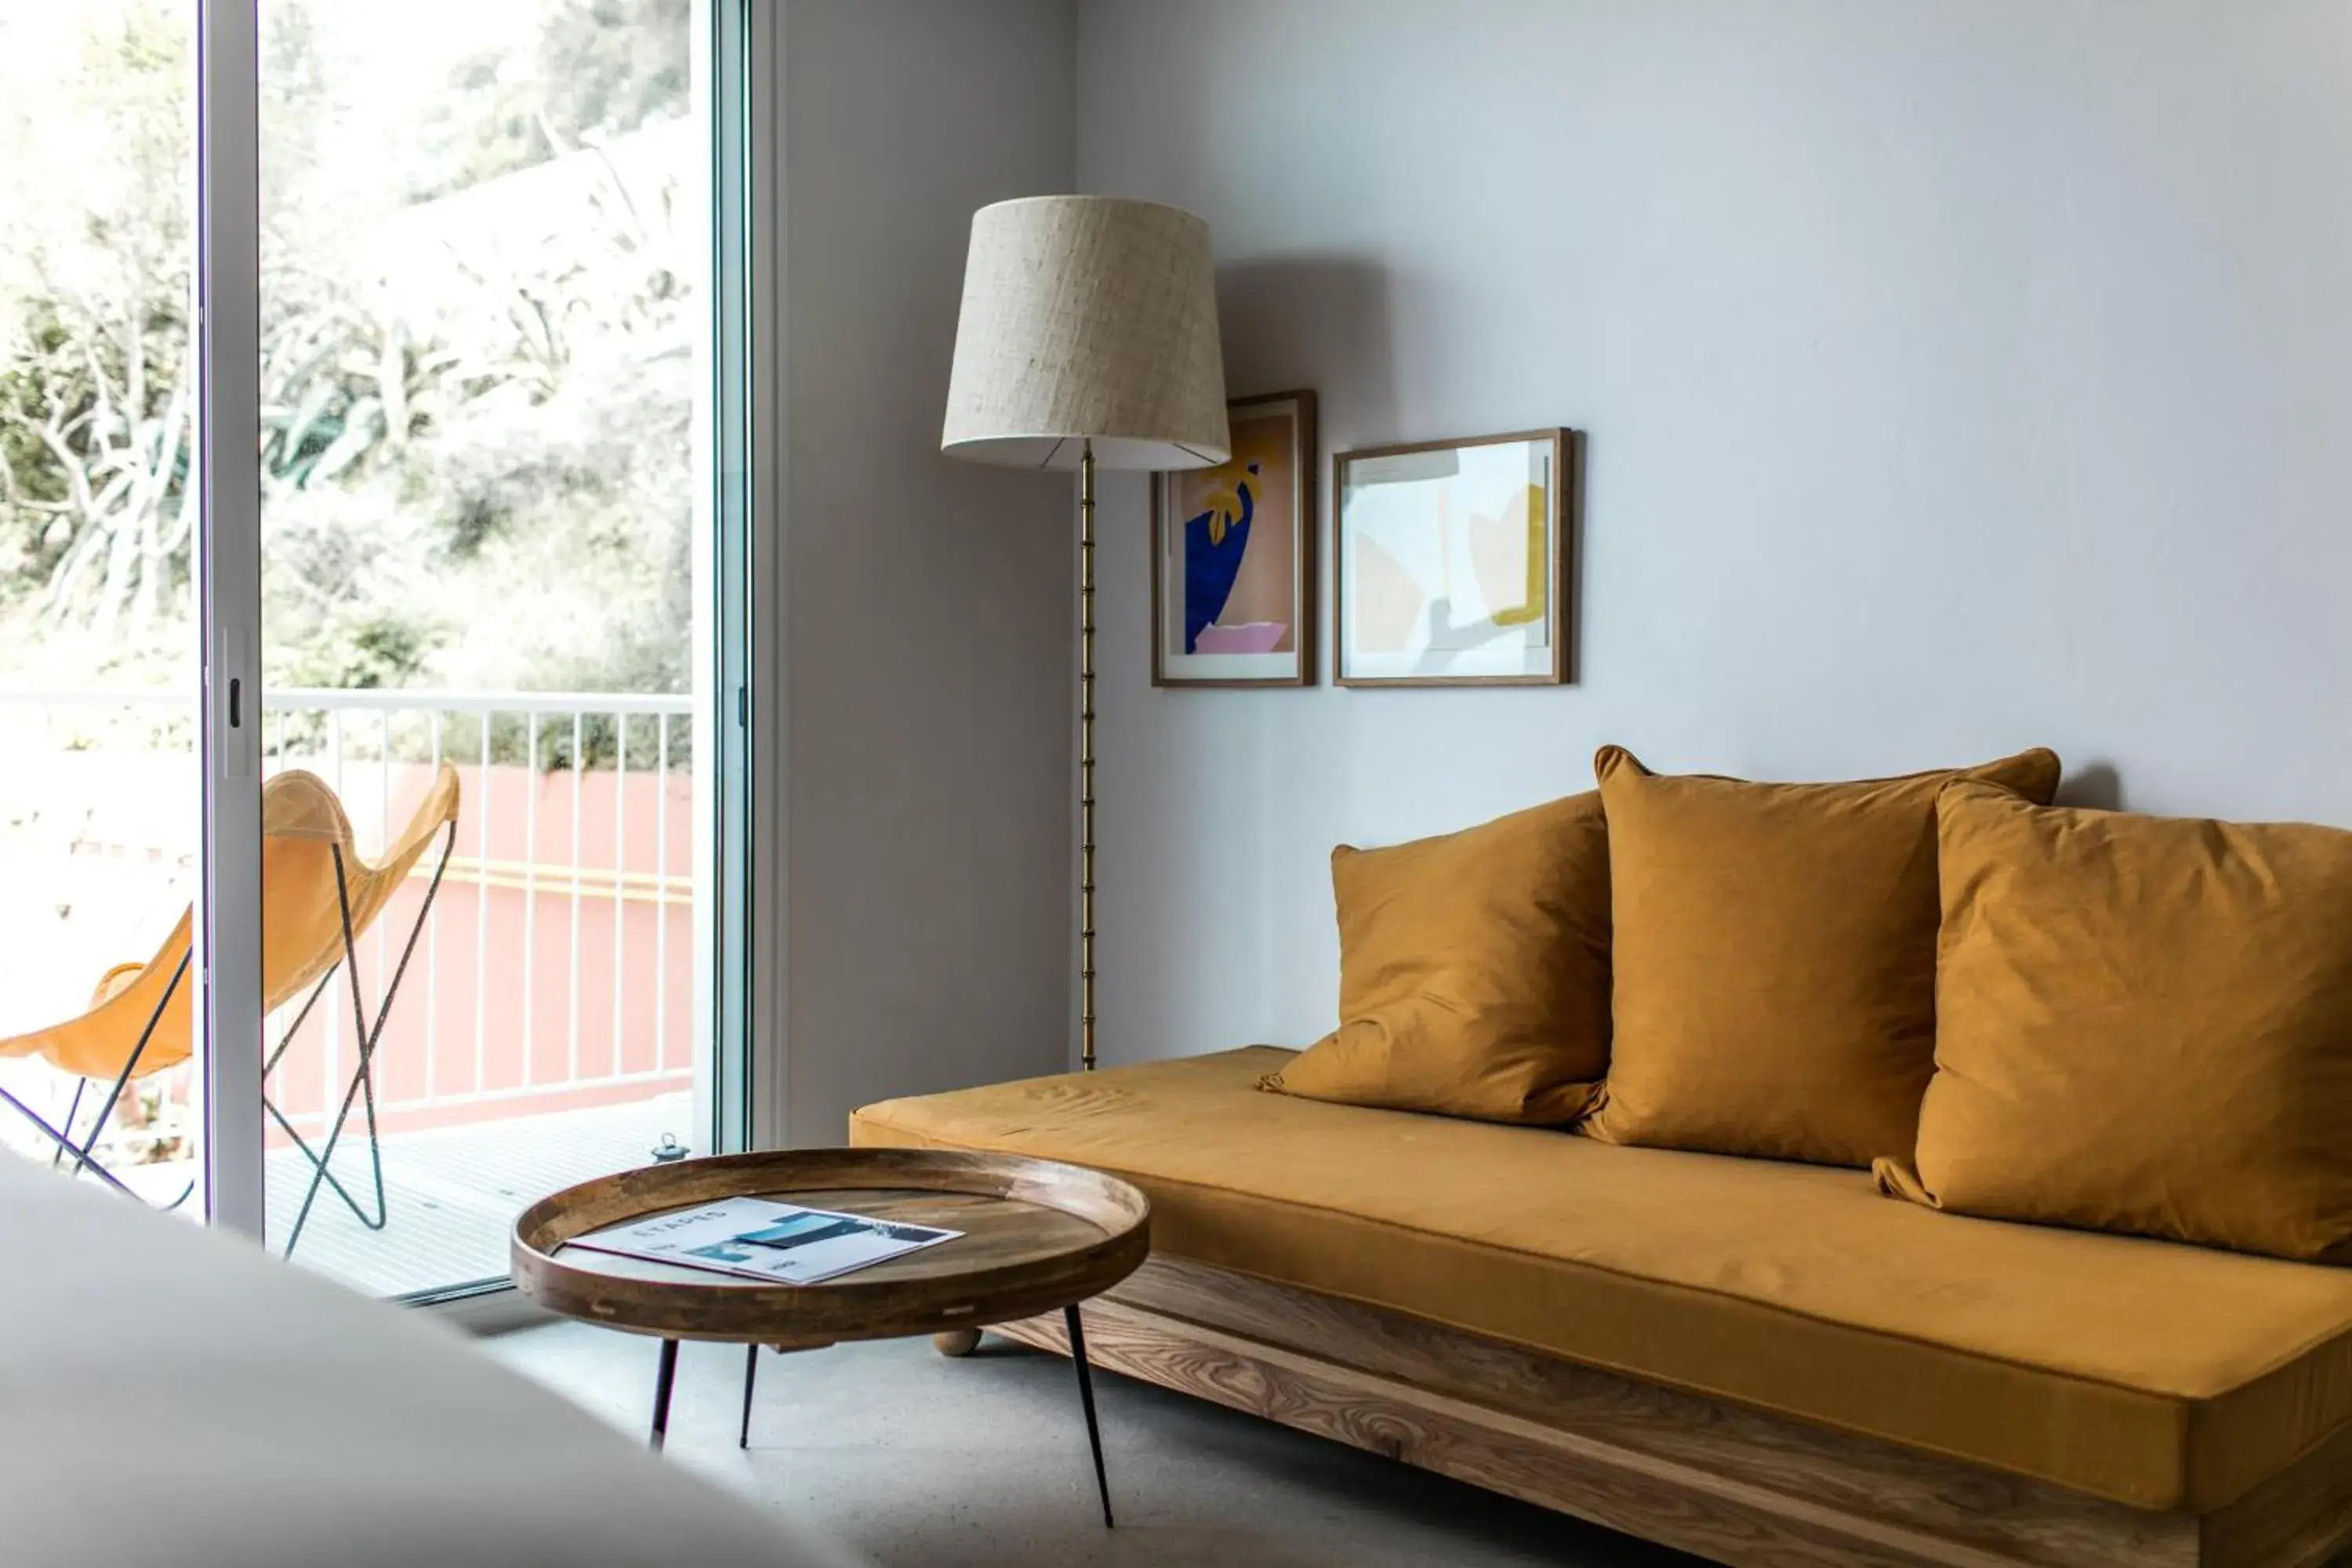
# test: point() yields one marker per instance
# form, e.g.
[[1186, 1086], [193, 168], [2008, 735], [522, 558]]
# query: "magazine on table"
[[758, 1238]]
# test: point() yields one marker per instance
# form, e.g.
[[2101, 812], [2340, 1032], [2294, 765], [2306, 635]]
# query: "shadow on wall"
[[1573, 522], [2094, 785], [1313, 321]]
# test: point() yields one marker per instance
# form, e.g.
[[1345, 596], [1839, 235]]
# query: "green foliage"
[[475, 455], [602, 68], [613, 66], [97, 405]]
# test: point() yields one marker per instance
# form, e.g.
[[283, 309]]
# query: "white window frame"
[[227, 963], [739, 850]]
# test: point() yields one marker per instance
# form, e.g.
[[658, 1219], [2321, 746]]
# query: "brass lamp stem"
[[1087, 756]]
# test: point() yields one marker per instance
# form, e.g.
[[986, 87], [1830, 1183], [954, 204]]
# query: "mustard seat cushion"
[[2143, 1024], [1474, 970], [2151, 1373], [2147, 1373], [1775, 957]]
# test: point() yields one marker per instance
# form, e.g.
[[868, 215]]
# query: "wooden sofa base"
[[1726, 1483]]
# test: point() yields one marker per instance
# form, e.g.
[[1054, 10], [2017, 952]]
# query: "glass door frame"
[[228, 538], [740, 39]]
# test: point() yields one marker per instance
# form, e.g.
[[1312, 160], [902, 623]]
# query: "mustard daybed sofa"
[[1760, 1362]]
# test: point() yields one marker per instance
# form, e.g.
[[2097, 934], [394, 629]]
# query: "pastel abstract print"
[[1450, 562], [1230, 567], [1237, 544]]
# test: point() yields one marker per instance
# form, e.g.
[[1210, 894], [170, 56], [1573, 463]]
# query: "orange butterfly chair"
[[317, 898]]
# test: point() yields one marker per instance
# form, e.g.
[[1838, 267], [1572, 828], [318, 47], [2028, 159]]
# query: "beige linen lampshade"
[[1087, 319]]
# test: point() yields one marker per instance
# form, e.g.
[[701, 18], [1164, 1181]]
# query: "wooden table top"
[[1038, 1236]]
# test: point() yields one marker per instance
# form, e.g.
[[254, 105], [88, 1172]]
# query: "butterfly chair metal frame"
[[360, 1091], [84, 1160]]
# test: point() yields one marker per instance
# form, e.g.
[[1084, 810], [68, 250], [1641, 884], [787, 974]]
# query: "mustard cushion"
[[1474, 970], [2154, 1375], [2143, 1024], [1775, 955]]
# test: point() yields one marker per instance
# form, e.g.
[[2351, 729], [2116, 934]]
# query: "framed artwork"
[[1232, 555], [1451, 560]]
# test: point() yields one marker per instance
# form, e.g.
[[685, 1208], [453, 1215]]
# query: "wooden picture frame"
[[1399, 561], [1272, 431]]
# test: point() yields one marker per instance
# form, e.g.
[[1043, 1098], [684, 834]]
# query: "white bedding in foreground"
[[170, 1396]]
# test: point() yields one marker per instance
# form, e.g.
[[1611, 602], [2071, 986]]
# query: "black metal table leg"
[[1086, 1397], [751, 1375], [665, 1376]]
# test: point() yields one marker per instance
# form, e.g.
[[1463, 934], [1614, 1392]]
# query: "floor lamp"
[[1088, 338]]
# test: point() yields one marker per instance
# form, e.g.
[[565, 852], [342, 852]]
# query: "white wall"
[[927, 640], [1958, 376]]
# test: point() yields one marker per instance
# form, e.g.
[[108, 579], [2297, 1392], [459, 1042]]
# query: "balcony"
[[544, 1030]]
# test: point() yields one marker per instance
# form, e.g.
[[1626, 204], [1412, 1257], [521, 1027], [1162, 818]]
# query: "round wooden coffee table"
[[1038, 1237]]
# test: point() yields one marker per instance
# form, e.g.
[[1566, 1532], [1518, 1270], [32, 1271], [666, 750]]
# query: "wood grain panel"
[[1732, 1485], [2012, 1517], [1487, 1448]]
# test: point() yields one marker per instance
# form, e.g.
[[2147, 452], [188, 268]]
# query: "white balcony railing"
[[555, 968]]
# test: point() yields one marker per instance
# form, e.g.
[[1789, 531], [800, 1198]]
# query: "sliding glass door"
[[100, 816], [468, 583]]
